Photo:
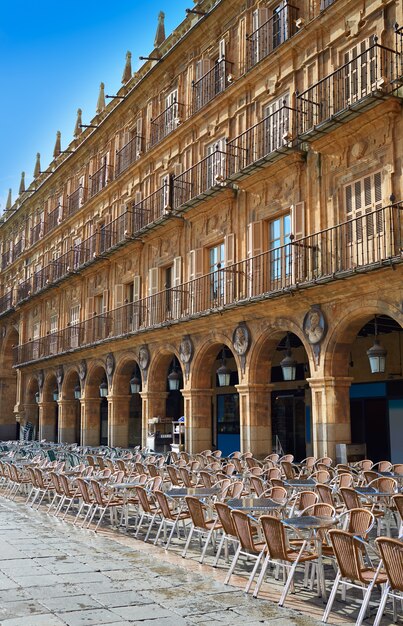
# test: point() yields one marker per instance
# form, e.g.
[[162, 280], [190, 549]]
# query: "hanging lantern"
[[77, 392], [135, 384], [289, 364], [377, 355], [103, 389], [174, 378], [55, 395], [37, 397], [223, 372]]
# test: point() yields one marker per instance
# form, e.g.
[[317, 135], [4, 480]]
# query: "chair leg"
[[252, 576], [261, 576], [331, 598], [382, 604], [209, 536], [219, 550], [188, 541], [234, 562]]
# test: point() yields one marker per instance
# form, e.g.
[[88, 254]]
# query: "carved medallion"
[[82, 369], [144, 357]]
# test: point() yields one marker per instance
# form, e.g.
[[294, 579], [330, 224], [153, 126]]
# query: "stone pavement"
[[52, 574]]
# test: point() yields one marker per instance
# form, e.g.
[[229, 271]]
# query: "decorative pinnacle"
[[37, 169], [77, 129], [160, 34], [22, 183], [57, 148], [127, 72], [9, 202], [101, 99]]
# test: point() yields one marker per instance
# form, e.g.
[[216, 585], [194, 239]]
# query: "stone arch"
[[123, 372], [125, 407], [205, 356], [95, 375], [30, 410], [70, 408], [95, 425], [8, 387], [159, 363], [49, 409]]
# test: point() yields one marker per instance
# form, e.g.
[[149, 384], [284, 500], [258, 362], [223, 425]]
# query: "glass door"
[[228, 426]]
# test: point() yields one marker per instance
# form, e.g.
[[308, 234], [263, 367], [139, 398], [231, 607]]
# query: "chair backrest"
[[288, 469], [365, 465], [274, 458], [186, 477], [325, 460], [251, 462], [256, 471], [347, 553], [152, 470], [345, 480], [320, 509], [31, 473], [100, 461], [217, 454], [257, 485], [65, 485], [384, 483], [173, 475], [224, 515], [306, 499], [325, 493], [105, 473], [398, 469], [321, 476], [235, 489], [163, 504], [143, 499], [194, 466], [273, 472], [118, 476], [196, 511], [278, 494], [384, 466], [238, 465], [154, 483], [369, 476], [287, 458], [398, 501], [244, 530], [392, 557], [229, 469], [85, 492], [360, 522], [207, 479], [350, 498], [274, 534], [39, 478], [96, 490]]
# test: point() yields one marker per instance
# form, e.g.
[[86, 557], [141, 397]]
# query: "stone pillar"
[[90, 421], [118, 420], [67, 421], [255, 418], [330, 414], [153, 405], [47, 421], [8, 390], [198, 434]]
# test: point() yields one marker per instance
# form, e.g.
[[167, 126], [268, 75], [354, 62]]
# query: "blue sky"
[[53, 57]]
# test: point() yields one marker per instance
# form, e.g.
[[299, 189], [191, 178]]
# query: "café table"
[[313, 524], [258, 505], [196, 492], [297, 484]]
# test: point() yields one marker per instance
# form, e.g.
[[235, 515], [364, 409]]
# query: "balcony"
[[166, 122], [271, 34], [203, 179], [100, 179], [53, 219], [6, 302], [357, 85], [36, 233], [364, 244], [214, 82], [264, 142], [128, 155], [5, 259], [76, 200], [115, 233], [151, 208], [17, 250]]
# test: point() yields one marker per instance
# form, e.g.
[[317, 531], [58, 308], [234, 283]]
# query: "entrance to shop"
[[104, 422], [289, 421], [370, 424], [228, 423]]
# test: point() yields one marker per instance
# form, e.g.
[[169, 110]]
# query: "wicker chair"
[[148, 510], [279, 553], [170, 516], [87, 501], [247, 545], [353, 572], [398, 503], [103, 502], [301, 501], [200, 525], [228, 530], [392, 557]]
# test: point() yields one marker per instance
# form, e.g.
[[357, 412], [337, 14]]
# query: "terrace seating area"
[[328, 527]]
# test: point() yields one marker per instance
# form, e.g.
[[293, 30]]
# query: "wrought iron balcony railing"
[[366, 243], [36, 233], [275, 31], [166, 122], [264, 141], [76, 200], [128, 155], [5, 259], [6, 302], [115, 233], [201, 179], [100, 179], [53, 219], [17, 250], [214, 82], [367, 78], [151, 208]]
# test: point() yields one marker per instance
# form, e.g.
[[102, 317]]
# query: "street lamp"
[[103, 389], [174, 377], [288, 364], [77, 392], [135, 384], [377, 355], [223, 372], [37, 397], [55, 394]]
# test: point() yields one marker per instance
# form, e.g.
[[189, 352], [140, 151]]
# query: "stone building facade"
[[237, 202]]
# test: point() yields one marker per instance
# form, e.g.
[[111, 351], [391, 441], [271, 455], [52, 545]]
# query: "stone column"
[[118, 420], [67, 421], [8, 389], [255, 418], [47, 421], [153, 405], [198, 434], [90, 421], [330, 414]]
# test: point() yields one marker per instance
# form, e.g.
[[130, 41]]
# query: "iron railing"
[[214, 82], [76, 200], [166, 122], [275, 31], [201, 178], [365, 243], [53, 219], [100, 179], [128, 155], [371, 75], [272, 135], [5, 259], [6, 302], [17, 250], [115, 232], [151, 208]]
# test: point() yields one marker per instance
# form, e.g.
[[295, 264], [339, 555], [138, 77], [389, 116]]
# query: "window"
[[171, 113], [54, 320], [279, 247], [215, 162], [74, 321], [77, 253], [216, 263], [277, 124], [168, 288], [36, 331], [359, 72]]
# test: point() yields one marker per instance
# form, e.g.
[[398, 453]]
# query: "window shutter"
[[221, 50], [136, 319], [178, 294], [195, 270], [118, 316], [105, 301], [304, 258], [81, 184], [118, 296], [153, 275], [166, 205], [90, 307], [254, 239], [177, 271], [229, 274], [178, 169], [136, 288], [298, 220], [138, 197], [195, 263], [254, 248], [202, 67], [139, 126]]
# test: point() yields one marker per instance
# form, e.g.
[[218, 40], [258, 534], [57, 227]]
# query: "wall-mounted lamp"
[[77, 392], [289, 364], [377, 355], [174, 377], [223, 372], [37, 397], [103, 389], [55, 394], [135, 384]]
